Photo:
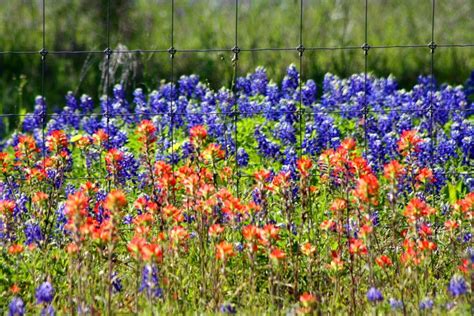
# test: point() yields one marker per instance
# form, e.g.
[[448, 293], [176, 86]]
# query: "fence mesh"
[[300, 50]]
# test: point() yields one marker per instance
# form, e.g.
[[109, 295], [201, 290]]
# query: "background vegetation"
[[200, 24]]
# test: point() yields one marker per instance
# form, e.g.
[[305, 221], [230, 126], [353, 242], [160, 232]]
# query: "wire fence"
[[299, 49]]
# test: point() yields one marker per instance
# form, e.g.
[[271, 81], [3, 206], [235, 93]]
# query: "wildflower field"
[[353, 197]]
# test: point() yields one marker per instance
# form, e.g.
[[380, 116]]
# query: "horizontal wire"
[[305, 112], [256, 49]]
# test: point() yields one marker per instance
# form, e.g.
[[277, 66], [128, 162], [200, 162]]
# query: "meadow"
[[279, 197]]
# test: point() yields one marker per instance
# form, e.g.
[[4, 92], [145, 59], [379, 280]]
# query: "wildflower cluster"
[[163, 207]]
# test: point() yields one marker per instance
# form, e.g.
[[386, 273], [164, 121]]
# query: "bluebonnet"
[[457, 286], [243, 85], [259, 81], [375, 218], [308, 93], [187, 86], [150, 282], [116, 282], [395, 304], [273, 94], [20, 206], [127, 219], [142, 109], [16, 307], [242, 157], [35, 120], [61, 218], [69, 189], [374, 295], [44, 293], [48, 311], [426, 303], [86, 105], [467, 237], [33, 233], [285, 132], [239, 247], [450, 305], [128, 167], [290, 81], [3, 230], [228, 308], [266, 147]]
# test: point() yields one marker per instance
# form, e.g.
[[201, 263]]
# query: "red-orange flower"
[[304, 165], [277, 254], [197, 134], [7, 206], [338, 205], [393, 170], [15, 289], [357, 246], [16, 249], [56, 140], [417, 209], [308, 249], [383, 261], [425, 176], [367, 188], [146, 132], [215, 230], [451, 224], [307, 299], [224, 250], [409, 142], [249, 232], [115, 201]]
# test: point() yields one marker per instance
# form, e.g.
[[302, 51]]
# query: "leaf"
[[76, 138]]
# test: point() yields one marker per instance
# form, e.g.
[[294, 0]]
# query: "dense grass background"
[[145, 24]]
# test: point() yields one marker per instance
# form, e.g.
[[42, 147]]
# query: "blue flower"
[[16, 307], [242, 157], [374, 295], [228, 308], [44, 293], [457, 286], [426, 303], [291, 81], [116, 282], [150, 282], [33, 234], [396, 304], [48, 311]]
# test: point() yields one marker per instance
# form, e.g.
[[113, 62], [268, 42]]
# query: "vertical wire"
[[432, 88], [172, 85], [43, 66], [366, 56], [107, 79], [300, 55], [236, 108]]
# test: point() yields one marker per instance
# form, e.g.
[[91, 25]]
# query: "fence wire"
[[173, 51]]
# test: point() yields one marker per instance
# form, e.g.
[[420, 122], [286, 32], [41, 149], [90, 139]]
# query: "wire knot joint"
[[172, 51], [365, 47], [108, 52], [43, 52], [300, 49], [432, 46]]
